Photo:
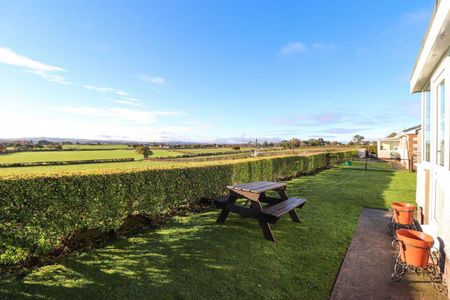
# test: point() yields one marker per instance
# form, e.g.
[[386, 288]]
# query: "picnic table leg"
[[293, 214], [265, 227], [223, 216], [225, 211]]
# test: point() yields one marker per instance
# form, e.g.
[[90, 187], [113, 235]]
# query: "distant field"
[[211, 150], [38, 156], [99, 147], [88, 168], [92, 168]]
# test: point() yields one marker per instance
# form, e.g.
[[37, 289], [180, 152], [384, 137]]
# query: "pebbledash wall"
[[431, 78]]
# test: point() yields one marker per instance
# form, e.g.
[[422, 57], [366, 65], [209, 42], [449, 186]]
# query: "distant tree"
[[236, 148], [144, 150], [357, 139], [285, 144], [313, 142], [392, 135], [44, 142], [2, 148], [265, 144]]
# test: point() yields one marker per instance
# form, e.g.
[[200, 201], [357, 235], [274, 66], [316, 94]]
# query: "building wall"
[[433, 180], [385, 148]]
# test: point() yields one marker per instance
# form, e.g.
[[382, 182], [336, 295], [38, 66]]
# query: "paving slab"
[[368, 265]]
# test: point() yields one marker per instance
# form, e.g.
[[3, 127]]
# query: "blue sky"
[[198, 70]]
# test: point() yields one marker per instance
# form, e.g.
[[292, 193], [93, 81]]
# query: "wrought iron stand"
[[431, 269]]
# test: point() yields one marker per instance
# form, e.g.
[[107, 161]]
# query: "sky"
[[204, 70]]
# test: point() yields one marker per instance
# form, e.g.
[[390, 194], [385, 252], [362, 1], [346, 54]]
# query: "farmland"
[[96, 147], [161, 158]]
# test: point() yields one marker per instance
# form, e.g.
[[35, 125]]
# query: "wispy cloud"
[[129, 101], [297, 47], [293, 48], [156, 80], [342, 130], [135, 116], [308, 119], [416, 17], [101, 89], [9, 57]]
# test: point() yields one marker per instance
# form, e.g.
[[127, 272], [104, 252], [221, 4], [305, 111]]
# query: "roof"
[[408, 130], [434, 46]]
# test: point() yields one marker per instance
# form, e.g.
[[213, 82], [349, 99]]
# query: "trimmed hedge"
[[65, 162], [36, 213]]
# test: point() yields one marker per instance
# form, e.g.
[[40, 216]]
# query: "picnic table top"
[[258, 186]]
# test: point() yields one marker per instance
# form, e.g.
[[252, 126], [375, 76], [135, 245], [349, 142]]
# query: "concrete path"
[[368, 265]]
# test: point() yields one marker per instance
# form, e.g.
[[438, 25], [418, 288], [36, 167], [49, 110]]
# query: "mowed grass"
[[192, 257]]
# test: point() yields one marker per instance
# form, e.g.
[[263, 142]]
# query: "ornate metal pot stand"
[[402, 217], [429, 265]]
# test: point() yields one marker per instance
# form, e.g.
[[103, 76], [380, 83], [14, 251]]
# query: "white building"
[[431, 78], [409, 148], [387, 148], [404, 146]]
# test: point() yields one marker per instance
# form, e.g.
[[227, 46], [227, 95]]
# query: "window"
[[427, 126], [441, 134]]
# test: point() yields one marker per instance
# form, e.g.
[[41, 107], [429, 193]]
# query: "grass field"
[[66, 155], [97, 147], [194, 258], [37, 156], [45, 156], [211, 150], [113, 167]]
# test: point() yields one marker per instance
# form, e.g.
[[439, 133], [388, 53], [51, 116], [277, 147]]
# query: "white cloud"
[[117, 114], [157, 80], [101, 89], [129, 101], [9, 57], [121, 93], [293, 48], [323, 47]]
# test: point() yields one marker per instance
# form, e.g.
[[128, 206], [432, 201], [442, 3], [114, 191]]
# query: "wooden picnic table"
[[255, 193]]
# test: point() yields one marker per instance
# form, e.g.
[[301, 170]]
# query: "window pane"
[[441, 125], [427, 127]]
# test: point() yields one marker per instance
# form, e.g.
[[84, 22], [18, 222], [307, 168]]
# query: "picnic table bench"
[[255, 193]]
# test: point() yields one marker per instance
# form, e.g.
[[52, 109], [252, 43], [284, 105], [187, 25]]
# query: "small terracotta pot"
[[403, 213], [414, 247]]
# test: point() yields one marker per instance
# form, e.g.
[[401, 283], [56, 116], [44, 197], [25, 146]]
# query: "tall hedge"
[[36, 213]]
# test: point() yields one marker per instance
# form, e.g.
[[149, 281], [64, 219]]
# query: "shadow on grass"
[[194, 258]]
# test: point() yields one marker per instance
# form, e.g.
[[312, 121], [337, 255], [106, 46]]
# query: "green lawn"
[[194, 258]]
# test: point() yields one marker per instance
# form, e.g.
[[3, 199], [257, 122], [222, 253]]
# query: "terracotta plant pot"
[[403, 213], [414, 247]]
